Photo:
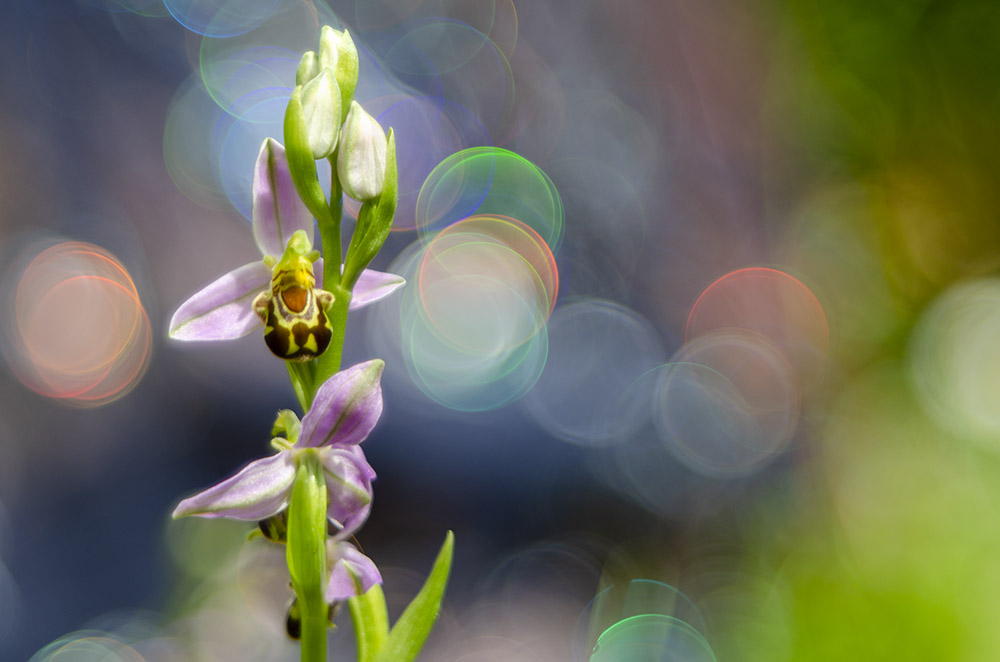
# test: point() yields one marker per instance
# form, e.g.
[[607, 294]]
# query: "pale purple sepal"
[[223, 310], [259, 490], [348, 487], [346, 407], [371, 286], [277, 209], [374, 285], [351, 572]]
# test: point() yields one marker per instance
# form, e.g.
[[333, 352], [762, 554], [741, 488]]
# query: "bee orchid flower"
[[285, 286], [346, 409]]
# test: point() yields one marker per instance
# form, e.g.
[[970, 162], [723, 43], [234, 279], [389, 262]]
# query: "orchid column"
[[319, 478]]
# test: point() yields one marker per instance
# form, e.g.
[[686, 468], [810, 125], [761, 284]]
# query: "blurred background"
[[698, 353]]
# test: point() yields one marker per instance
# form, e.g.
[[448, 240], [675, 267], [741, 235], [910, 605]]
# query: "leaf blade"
[[371, 622], [410, 632]]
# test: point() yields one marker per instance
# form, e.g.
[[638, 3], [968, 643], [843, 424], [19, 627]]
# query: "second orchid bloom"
[[345, 411]]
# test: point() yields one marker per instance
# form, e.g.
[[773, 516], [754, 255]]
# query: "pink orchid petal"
[[348, 487], [223, 309], [346, 407], [351, 572], [277, 209], [374, 285], [371, 286], [261, 489]]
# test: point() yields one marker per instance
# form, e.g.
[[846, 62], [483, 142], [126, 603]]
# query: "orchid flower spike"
[[346, 409], [289, 275]]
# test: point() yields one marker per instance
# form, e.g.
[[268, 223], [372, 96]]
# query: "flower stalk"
[[329, 228], [306, 553], [318, 477], [303, 377], [329, 363]]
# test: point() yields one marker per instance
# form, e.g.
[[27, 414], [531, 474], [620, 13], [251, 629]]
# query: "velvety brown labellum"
[[295, 298], [296, 327]]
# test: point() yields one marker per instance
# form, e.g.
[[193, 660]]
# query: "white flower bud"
[[361, 160], [308, 68], [339, 55], [321, 111], [329, 48], [346, 71]]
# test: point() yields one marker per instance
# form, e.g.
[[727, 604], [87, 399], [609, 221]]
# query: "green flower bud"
[[346, 71], [361, 160], [339, 55], [374, 221], [301, 164], [329, 51], [321, 111], [287, 425], [308, 68]]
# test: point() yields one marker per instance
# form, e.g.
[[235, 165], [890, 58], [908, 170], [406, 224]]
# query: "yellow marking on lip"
[[311, 343], [304, 277]]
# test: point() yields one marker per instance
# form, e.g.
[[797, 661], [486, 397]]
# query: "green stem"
[[301, 375], [331, 235], [306, 553], [314, 625], [329, 362]]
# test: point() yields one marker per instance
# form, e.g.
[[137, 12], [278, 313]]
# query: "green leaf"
[[374, 221], [301, 163], [371, 622], [410, 632]]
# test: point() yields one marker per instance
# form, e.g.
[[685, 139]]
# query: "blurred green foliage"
[[884, 131], [900, 98]]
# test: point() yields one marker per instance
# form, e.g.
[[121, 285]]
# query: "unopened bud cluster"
[[325, 85]]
